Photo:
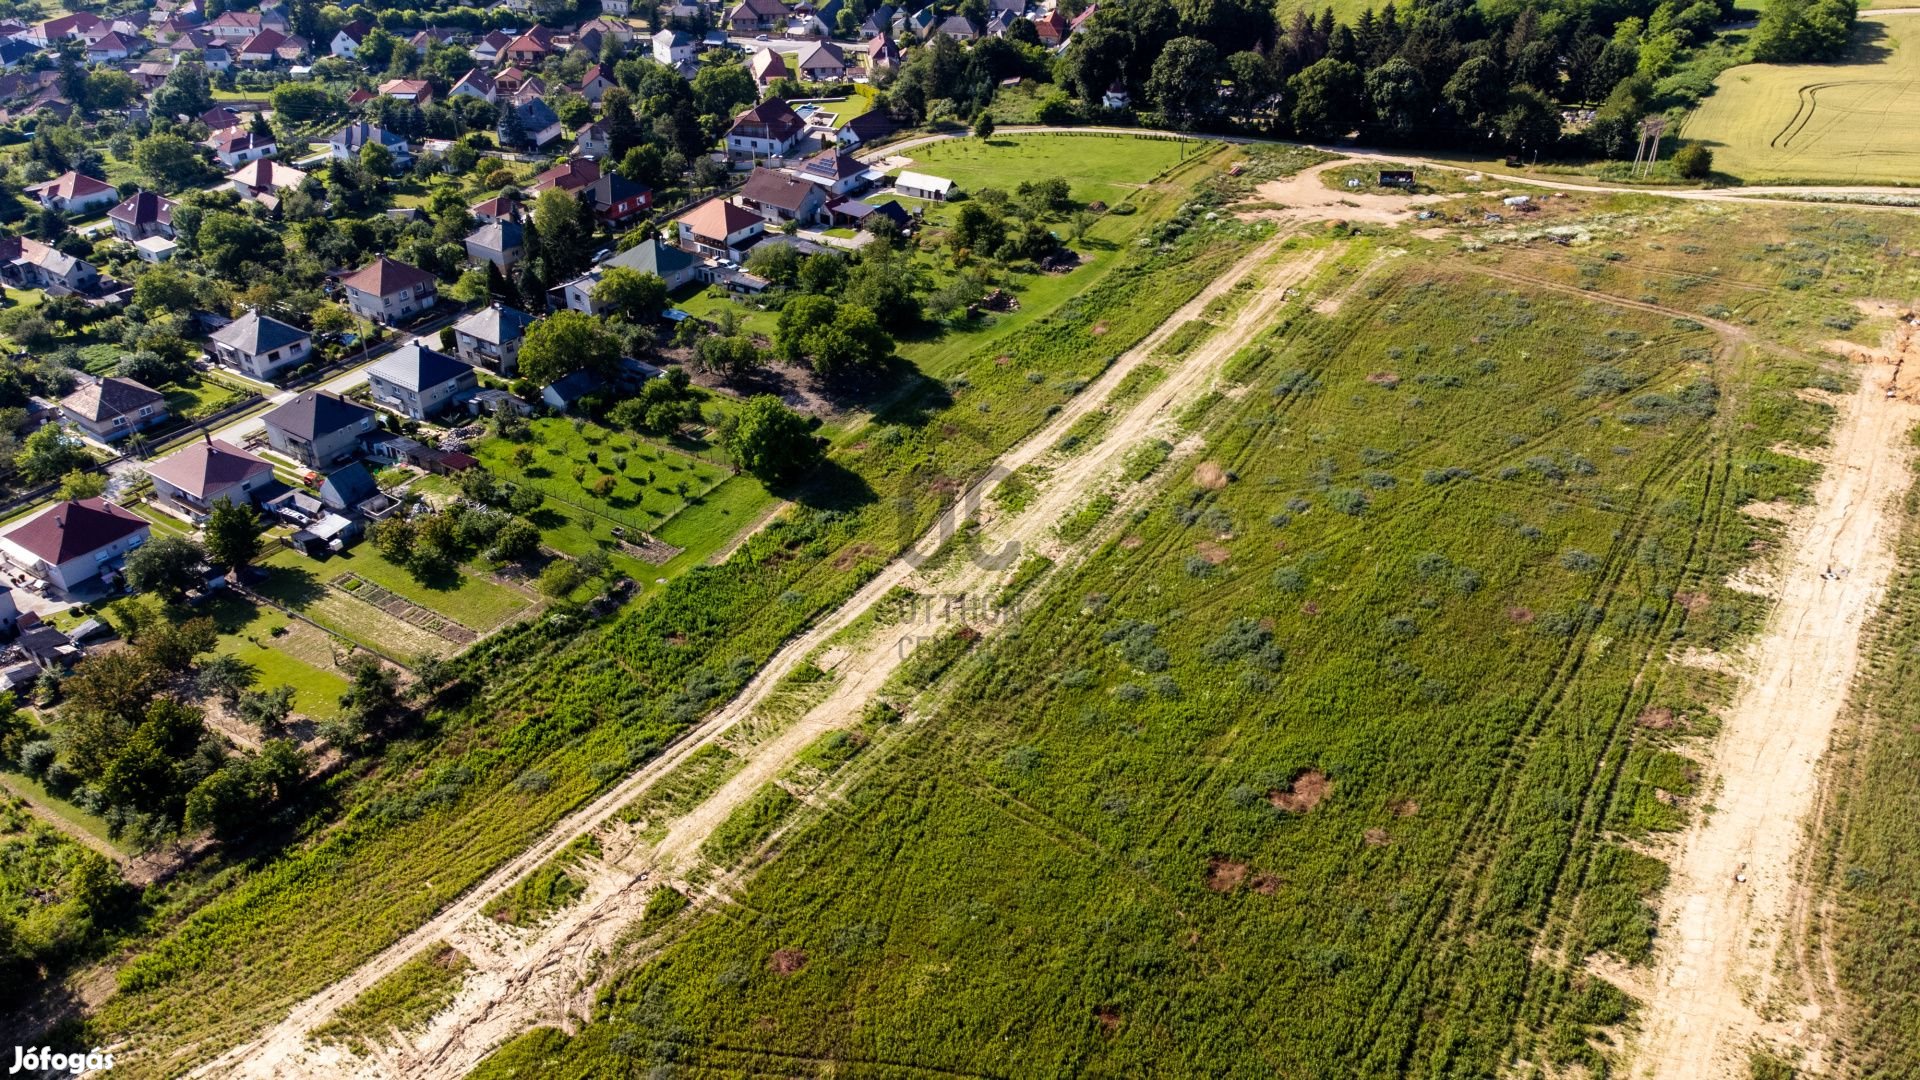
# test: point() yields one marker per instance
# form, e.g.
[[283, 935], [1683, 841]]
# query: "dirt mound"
[[1403, 808], [1210, 476], [1108, 1018], [1693, 602], [1212, 552], [1658, 718], [1303, 794], [1225, 875], [786, 961], [1266, 884]]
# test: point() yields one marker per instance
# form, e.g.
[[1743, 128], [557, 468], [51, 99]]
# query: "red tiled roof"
[[384, 277], [71, 529]]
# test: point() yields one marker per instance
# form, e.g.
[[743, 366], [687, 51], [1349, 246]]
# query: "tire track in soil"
[[457, 1040], [1716, 963]]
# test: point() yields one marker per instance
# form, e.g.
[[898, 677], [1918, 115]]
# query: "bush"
[[1693, 161]]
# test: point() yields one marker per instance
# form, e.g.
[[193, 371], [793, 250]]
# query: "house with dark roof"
[[768, 65], [476, 83], [319, 428], [882, 53], [779, 198], [237, 146], [261, 346], [866, 129], [346, 40], [487, 50], [595, 84], [835, 169], [420, 383], [531, 47], [502, 243], [567, 391], [200, 474], [822, 62], [617, 200], [345, 144], [388, 290], [490, 338], [73, 193], [958, 27], [71, 543], [539, 125], [571, 176], [769, 128], [114, 408], [752, 16], [142, 214], [347, 487], [672, 265]]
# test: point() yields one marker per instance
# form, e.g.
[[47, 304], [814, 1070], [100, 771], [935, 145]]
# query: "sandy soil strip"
[[547, 976], [1714, 986]]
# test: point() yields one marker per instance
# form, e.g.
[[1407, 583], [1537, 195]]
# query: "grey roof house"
[[114, 408], [260, 345], [318, 428], [419, 382], [490, 338]]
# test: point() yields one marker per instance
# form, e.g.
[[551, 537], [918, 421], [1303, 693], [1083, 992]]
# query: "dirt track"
[[547, 975], [1716, 991]]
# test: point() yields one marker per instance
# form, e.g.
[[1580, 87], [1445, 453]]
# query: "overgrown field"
[[1328, 762], [1856, 122], [555, 711]]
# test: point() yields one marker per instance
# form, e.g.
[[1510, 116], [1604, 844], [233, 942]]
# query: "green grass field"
[[1330, 761], [1856, 122], [1107, 168]]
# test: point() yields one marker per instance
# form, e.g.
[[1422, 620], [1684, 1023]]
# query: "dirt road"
[[1715, 991], [547, 975]]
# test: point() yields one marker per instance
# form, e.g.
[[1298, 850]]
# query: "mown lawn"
[[638, 485], [285, 651]]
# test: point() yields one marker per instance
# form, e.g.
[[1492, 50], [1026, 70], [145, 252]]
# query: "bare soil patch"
[[1225, 875], [1305, 793], [1099, 329], [1384, 378], [852, 555], [1403, 808], [1212, 552], [1210, 475], [786, 961], [1657, 718], [1131, 541], [1519, 616], [1266, 884], [1377, 837], [1108, 1018], [1693, 602]]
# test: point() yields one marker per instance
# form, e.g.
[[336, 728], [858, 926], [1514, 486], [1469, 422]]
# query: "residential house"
[[779, 198], [486, 52], [65, 28], [916, 185], [502, 243], [155, 249], [719, 228], [348, 488], [319, 428], [770, 128], [867, 129], [879, 21], [528, 89], [672, 46], [426, 39], [834, 169], [221, 118], [26, 263], [263, 180], [1116, 96], [882, 53], [571, 176], [594, 142], [237, 146], [918, 24], [73, 193], [672, 265], [568, 390], [142, 214], [617, 200], [213, 52], [622, 8], [498, 208], [346, 40], [538, 125], [387, 290], [235, 26], [112, 47], [261, 346], [958, 27], [595, 84], [346, 143], [609, 28], [420, 383], [822, 62], [414, 91], [72, 542], [200, 474], [260, 49], [509, 82], [1052, 29], [476, 83], [13, 53], [768, 65], [531, 47], [490, 338], [753, 16], [113, 407]]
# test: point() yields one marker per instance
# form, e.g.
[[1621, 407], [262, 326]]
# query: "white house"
[[670, 47], [261, 345], [916, 185], [70, 543], [387, 290]]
